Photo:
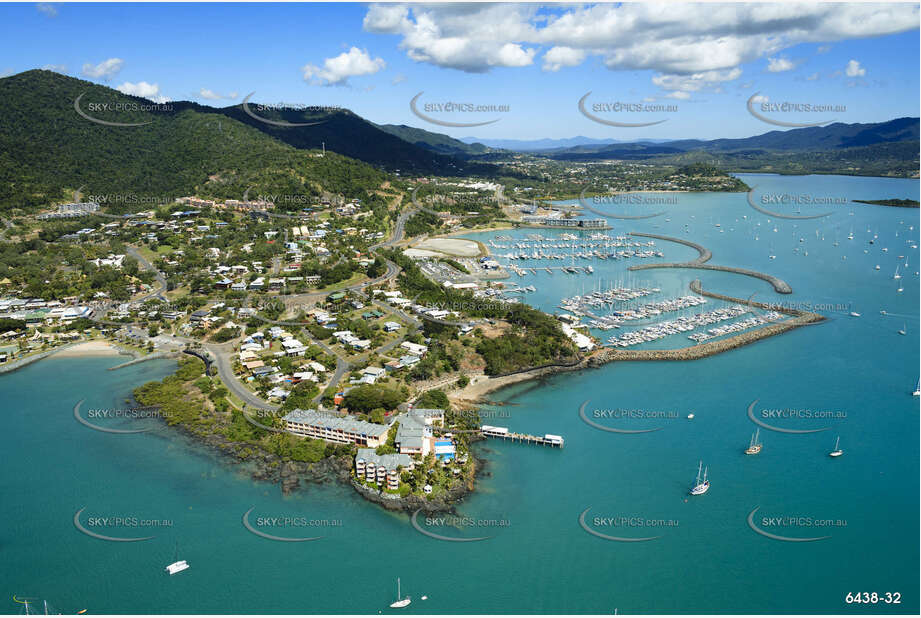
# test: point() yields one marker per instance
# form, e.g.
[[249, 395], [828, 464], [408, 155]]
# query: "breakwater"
[[780, 286]]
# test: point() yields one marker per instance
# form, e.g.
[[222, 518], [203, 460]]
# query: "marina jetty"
[[780, 286]]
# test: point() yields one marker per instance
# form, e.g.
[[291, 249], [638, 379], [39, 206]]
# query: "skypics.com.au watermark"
[[793, 528], [456, 529], [116, 413], [594, 111], [596, 416], [769, 417], [282, 527], [90, 110], [770, 112], [626, 528], [455, 107], [95, 526]]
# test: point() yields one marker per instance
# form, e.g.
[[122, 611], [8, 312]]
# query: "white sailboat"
[[917, 392], [837, 452], [754, 447], [400, 602], [177, 566], [896, 275], [904, 330], [700, 487]]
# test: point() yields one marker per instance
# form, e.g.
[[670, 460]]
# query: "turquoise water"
[[542, 561]]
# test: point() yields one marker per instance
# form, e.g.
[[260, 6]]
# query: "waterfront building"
[[339, 429], [381, 468]]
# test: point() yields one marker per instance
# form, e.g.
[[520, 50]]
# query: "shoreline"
[[95, 347]]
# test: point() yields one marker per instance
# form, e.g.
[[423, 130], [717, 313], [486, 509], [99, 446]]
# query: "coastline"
[[95, 347]]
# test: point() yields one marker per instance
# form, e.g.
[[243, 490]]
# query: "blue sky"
[[707, 60]]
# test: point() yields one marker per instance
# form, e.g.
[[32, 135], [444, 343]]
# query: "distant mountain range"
[[527, 145]]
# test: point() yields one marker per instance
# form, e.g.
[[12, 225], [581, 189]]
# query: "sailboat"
[[178, 565], [754, 447], [400, 602], [700, 487], [917, 392], [904, 330], [896, 275], [837, 452]]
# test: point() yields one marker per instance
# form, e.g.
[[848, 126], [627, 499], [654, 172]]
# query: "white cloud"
[[678, 94], [212, 95], [143, 89], [398, 79], [348, 64], [104, 70], [760, 98], [823, 49], [559, 57], [854, 69], [696, 81], [813, 77], [57, 68], [48, 9], [669, 38], [779, 65]]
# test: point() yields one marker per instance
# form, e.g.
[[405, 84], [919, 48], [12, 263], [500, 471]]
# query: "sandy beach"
[[96, 347]]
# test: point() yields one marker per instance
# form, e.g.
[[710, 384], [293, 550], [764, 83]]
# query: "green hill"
[[48, 149], [436, 142]]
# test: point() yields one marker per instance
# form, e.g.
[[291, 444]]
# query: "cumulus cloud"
[[337, 70], [558, 57], [779, 65], [696, 81], [214, 96], [143, 89], [760, 98], [57, 68], [48, 9], [672, 39], [104, 70], [678, 94], [854, 69]]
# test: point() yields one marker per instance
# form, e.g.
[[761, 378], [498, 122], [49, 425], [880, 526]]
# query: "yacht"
[[837, 452], [177, 567], [854, 314], [700, 487], [400, 602], [754, 447], [917, 391], [904, 329], [896, 275]]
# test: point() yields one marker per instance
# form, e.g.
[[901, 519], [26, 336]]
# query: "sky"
[[692, 69]]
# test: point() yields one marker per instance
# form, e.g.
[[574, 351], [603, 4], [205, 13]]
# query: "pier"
[[503, 433], [705, 254]]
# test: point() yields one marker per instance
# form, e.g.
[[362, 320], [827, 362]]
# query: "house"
[[277, 393], [414, 348], [293, 347], [257, 283], [370, 375], [198, 316], [390, 327], [317, 367]]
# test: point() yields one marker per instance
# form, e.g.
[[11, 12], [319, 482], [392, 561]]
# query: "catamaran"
[[754, 447], [700, 487], [837, 452], [400, 602]]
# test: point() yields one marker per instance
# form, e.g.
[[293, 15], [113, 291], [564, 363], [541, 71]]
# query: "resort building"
[[381, 469], [340, 429]]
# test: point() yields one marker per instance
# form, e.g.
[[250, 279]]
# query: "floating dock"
[[503, 433]]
